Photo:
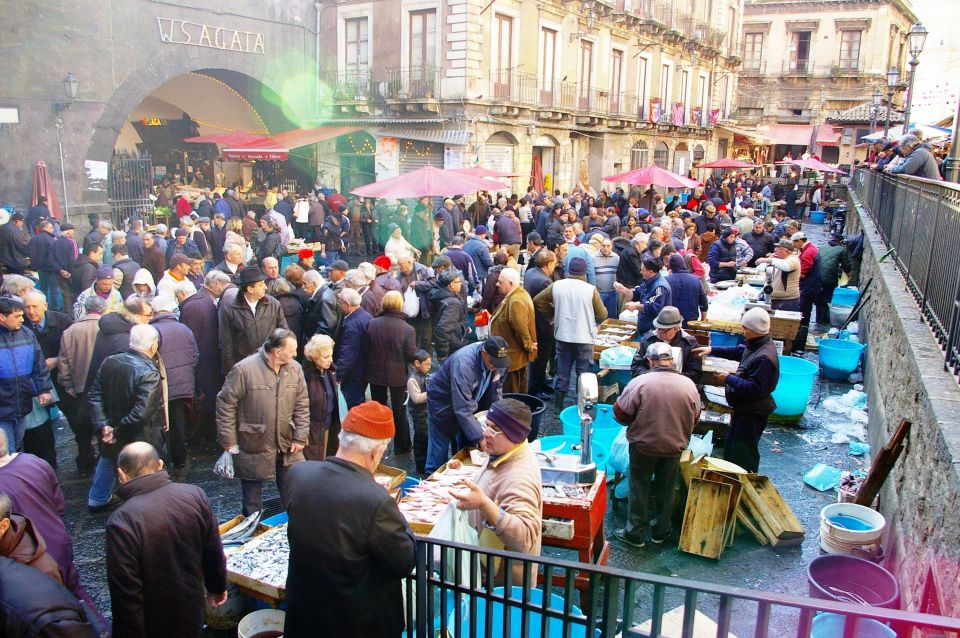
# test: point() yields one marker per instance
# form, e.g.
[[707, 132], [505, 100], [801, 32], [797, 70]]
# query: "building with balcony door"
[[806, 60], [574, 90]]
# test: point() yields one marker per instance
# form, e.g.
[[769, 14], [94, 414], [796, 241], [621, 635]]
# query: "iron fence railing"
[[349, 86], [452, 593], [129, 186], [797, 67], [919, 220], [413, 82], [753, 67]]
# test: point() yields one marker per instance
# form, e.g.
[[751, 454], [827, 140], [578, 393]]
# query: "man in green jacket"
[[834, 259]]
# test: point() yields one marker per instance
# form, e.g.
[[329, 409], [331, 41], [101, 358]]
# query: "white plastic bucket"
[[260, 621], [859, 528]]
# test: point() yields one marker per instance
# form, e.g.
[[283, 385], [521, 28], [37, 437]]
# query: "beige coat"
[[76, 351], [514, 321], [263, 413], [513, 482]]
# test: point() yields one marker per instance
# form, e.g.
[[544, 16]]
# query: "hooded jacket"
[[23, 372], [113, 337], [449, 321]]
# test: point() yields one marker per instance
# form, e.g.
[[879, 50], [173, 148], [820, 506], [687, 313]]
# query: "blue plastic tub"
[[276, 519], [794, 386], [555, 626], [845, 297], [838, 357], [562, 444], [724, 339], [605, 427], [827, 625], [817, 217]]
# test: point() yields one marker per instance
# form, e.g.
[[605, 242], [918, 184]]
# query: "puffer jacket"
[[391, 342], [242, 333], [127, 395], [83, 273], [449, 321], [180, 354], [23, 372], [263, 413], [36, 605]]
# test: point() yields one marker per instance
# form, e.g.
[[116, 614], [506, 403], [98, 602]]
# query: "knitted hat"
[[304, 253], [182, 232], [577, 266], [756, 320], [104, 272], [676, 262], [480, 230], [371, 419], [383, 262]]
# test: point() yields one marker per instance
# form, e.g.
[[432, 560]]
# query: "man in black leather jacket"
[[126, 405]]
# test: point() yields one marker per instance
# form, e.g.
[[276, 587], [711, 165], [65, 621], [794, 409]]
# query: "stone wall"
[[905, 379]]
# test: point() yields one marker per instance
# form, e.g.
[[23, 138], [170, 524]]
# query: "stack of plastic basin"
[[605, 427], [817, 216], [794, 386], [845, 296], [563, 444], [724, 339], [839, 357]]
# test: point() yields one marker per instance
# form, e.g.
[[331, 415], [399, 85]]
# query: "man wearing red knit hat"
[[350, 546]]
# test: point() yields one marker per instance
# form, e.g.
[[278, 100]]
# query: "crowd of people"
[[151, 340], [909, 155]]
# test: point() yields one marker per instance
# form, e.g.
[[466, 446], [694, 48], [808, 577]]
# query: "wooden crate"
[[705, 524], [395, 474], [737, 487], [256, 588], [236, 520], [615, 323], [772, 516]]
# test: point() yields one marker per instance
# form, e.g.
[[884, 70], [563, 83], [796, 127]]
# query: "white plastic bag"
[[453, 525], [224, 466], [411, 303], [701, 445]]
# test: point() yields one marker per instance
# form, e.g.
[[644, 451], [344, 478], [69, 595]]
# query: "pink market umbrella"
[[482, 173], [428, 182], [726, 163], [813, 164], [653, 175], [42, 185]]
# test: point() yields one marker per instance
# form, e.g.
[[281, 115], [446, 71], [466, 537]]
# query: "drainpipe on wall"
[[316, 97]]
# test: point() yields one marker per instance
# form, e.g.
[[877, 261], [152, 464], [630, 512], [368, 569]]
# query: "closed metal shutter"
[[415, 155]]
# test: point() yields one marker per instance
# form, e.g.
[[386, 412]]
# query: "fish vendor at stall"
[[506, 502]]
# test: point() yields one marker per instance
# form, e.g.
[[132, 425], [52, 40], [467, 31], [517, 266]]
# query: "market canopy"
[[428, 182], [813, 164], [655, 176], [230, 139], [278, 147], [790, 134], [727, 163]]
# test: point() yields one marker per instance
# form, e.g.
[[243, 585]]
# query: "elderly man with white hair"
[[514, 320], [917, 159], [372, 296], [348, 355], [126, 404], [322, 313]]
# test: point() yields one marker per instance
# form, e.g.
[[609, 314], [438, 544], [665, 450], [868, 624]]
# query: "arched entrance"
[[639, 155], [681, 159], [546, 147], [498, 152]]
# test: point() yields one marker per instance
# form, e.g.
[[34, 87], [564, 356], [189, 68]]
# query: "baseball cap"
[[496, 349], [659, 351]]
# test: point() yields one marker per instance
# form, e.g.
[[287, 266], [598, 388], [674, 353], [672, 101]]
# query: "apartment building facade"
[[571, 91]]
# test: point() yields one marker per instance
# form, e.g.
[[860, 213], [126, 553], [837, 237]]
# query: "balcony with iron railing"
[[526, 89], [753, 67], [846, 68], [797, 67], [413, 83], [349, 86]]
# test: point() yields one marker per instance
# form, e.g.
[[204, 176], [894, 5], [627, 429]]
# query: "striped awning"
[[451, 136]]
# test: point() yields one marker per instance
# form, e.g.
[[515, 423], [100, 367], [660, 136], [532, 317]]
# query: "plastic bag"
[[701, 445], [411, 303], [822, 477], [224, 466], [617, 357], [453, 525]]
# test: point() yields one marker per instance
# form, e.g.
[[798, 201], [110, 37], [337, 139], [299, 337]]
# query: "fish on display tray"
[[264, 559]]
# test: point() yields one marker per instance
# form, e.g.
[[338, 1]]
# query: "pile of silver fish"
[[242, 531], [264, 559]]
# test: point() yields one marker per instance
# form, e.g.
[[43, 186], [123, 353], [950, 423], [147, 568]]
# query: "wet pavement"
[[787, 453]]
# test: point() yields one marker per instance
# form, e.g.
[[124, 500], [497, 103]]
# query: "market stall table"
[[576, 521]]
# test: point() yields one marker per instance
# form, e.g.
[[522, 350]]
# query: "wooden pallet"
[[765, 508], [704, 531]]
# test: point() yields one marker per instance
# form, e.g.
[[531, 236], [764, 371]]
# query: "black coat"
[[218, 237], [390, 342], [178, 349], [199, 313], [49, 338], [321, 314], [241, 334], [33, 604], [129, 269], [317, 449], [83, 273], [126, 395], [628, 270], [39, 250], [13, 247], [449, 316], [163, 555], [292, 313], [349, 549], [114, 337]]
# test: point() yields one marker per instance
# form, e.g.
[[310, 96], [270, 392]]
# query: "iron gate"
[[129, 186]]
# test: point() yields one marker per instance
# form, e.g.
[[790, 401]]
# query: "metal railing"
[[508, 85], [797, 67], [753, 67], [919, 220], [349, 86], [452, 593], [413, 83]]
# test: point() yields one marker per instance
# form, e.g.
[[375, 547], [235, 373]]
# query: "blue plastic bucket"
[[827, 625], [838, 357], [562, 444], [794, 386], [555, 626], [276, 519], [817, 217], [845, 297], [605, 427], [724, 339]]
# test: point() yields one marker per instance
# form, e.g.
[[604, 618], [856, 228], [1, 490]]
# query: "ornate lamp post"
[[916, 38], [875, 110], [893, 76]]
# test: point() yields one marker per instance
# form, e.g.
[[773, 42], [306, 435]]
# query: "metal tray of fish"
[[261, 565]]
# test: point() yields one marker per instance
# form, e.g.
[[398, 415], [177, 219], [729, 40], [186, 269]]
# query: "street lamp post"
[[953, 161], [875, 111], [893, 76], [70, 86], [917, 37]]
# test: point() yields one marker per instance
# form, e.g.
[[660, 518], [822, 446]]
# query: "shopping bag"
[[453, 525], [411, 303], [224, 466]]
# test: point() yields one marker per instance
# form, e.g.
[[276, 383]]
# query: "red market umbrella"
[[726, 163], [482, 173], [427, 182], [653, 175], [536, 174], [231, 139], [43, 186], [813, 164]]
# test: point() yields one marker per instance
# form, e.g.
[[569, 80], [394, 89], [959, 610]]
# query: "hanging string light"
[[263, 125], [411, 147], [227, 128], [366, 148]]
